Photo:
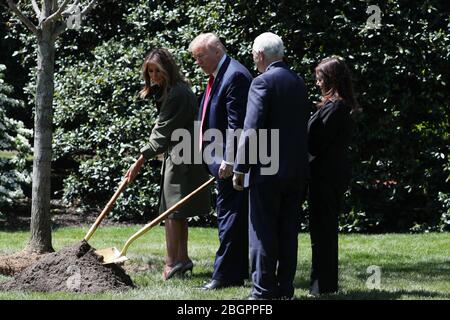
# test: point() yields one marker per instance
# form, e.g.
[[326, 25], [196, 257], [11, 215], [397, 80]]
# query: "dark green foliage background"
[[400, 152], [14, 167]]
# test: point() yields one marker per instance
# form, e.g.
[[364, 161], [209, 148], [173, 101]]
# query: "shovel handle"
[[163, 216], [106, 210]]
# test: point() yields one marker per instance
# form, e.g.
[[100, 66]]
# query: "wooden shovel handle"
[[106, 210], [163, 216]]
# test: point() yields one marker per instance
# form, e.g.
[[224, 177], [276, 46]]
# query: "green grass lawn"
[[412, 266]]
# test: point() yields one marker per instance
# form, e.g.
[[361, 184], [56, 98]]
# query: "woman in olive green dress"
[[178, 109]]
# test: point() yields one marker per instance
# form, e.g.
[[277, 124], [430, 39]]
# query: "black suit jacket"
[[277, 100], [329, 134], [226, 108]]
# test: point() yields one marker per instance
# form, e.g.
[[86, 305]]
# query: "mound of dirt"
[[72, 269]]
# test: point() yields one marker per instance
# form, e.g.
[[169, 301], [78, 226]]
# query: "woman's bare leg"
[[183, 243], [172, 241]]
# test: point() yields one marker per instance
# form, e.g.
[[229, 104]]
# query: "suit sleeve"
[[236, 104], [171, 116], [257, 110], [325, 128]]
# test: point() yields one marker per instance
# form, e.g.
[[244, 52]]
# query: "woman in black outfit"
[[329, 135]]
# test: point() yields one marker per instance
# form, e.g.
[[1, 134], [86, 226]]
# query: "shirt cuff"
[[228, 163], [238, 172]]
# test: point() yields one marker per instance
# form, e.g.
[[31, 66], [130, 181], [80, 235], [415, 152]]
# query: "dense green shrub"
[[401, 70], [103, 126], [14, 149]]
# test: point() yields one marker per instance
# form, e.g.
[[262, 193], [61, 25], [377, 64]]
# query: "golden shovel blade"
[[111, 255]]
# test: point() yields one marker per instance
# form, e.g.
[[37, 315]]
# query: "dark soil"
[[72, 269]]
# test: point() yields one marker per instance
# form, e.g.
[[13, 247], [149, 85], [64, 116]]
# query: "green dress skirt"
[[173, 188]]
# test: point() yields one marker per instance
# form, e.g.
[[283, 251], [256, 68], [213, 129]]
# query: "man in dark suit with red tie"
[[277, 102], [223, 107]]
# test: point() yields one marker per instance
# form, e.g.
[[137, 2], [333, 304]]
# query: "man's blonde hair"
[[208, 40]]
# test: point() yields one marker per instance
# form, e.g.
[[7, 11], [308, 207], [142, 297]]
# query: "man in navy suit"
[[277, 101], [222, 108]]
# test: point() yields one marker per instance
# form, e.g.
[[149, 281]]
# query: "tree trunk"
[[41, 236]]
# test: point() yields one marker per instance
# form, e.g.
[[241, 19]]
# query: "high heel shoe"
[[167, 274], [187, 266]]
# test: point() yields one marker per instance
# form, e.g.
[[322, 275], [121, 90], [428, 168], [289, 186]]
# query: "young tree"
[[54, 17]]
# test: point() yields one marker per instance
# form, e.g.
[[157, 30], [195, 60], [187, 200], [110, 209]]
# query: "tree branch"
[[58, 13], [36, 8], [88, 8], [22, 18], [69, 10], [62, 26]]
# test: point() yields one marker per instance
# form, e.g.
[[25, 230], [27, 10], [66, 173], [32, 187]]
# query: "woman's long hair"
[[169, 70], [337, 82]]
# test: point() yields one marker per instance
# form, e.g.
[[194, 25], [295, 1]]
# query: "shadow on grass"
[[372, 294], [157, 265], [301, 283], [382, 295], [436, 270], [422, 274], [205, 275]]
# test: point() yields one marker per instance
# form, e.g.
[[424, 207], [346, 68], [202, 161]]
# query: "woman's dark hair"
[[337, 82], [170, 72]]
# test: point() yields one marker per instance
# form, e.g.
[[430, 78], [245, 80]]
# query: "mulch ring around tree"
[[72, 269]]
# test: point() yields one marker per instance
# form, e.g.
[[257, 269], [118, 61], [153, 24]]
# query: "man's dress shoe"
[[217, 284]]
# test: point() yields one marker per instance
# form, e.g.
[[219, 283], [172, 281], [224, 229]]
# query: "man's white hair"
[[208, 40], [270, 44]]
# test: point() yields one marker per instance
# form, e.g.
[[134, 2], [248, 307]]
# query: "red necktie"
[[205, 104]]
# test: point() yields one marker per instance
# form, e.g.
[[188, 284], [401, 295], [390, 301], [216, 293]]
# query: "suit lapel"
[[217, 82], [219, 77]]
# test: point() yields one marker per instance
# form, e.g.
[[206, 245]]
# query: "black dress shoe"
[[175, 269], [213, 285], [187, 267], [217, 284]]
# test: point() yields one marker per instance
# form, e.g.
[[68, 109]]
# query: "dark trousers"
[[325, 199], [231, 264], [273, 230]]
